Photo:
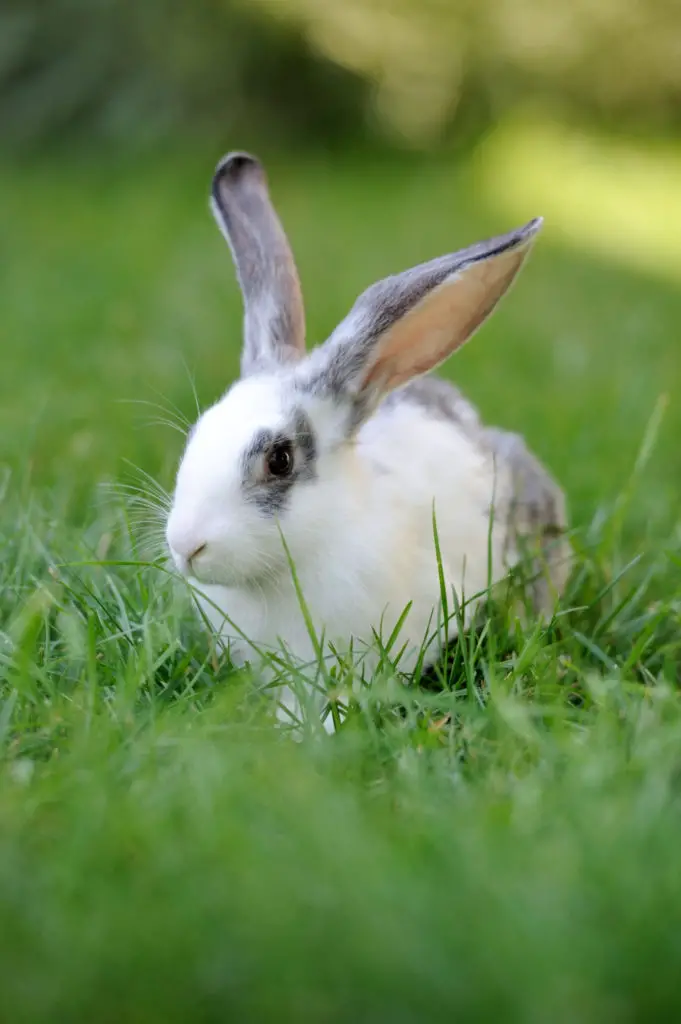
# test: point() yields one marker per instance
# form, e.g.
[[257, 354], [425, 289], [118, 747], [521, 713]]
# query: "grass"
[[497, 843]]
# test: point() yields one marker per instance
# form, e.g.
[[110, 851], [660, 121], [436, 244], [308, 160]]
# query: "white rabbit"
[[347, 452]]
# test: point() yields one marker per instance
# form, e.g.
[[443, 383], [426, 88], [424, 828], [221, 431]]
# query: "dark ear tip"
[[236, 168], [532, 228]]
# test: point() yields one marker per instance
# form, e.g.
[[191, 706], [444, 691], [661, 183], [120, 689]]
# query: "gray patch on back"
[[271, 494], [537, 516], [441, 400]]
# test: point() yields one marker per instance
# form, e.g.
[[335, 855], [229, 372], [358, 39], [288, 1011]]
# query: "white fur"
[[360, 535], [209, 507]]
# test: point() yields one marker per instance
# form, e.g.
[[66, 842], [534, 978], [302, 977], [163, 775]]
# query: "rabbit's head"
[[276, 452]]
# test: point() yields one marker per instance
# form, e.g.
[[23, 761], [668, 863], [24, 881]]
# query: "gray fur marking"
[[274, 326], [271, 494], [537, 517], [441, 400]]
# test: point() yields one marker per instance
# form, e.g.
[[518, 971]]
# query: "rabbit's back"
[[458, 461], [440, 399], [425, 454]]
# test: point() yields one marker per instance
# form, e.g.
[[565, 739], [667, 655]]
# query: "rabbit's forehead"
[[231, 437], [253, 404], [227, 429]]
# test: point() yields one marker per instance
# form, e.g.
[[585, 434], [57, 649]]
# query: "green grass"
[[498, 843]]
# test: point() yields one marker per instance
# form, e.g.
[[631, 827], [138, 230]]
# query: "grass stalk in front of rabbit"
[[318, 676], [284, 669], [317, 642]]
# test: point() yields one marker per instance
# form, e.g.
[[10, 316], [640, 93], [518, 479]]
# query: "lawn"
[[501, 843]]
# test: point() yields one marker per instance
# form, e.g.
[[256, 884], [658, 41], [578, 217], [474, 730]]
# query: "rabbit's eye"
[[280, 459]]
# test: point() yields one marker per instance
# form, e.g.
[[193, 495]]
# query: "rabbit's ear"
[[406, 325], [274, 318]]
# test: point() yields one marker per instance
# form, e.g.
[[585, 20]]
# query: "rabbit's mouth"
[[205, 567]]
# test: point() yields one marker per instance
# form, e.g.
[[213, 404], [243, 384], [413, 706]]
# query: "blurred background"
[[163, 855], [410, 72], [393, 131]]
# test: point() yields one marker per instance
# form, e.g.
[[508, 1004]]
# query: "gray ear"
[[408, 324], [274, 318]]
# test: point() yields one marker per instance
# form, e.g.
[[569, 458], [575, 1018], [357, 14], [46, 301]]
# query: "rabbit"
[[335, 462]]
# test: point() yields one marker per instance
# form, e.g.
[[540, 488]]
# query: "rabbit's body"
[[366, 548], [346, 453], [361, 533]]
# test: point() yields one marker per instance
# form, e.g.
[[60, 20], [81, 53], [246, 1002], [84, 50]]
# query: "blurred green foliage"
[[433, 60], [136, 72], [416, 71]]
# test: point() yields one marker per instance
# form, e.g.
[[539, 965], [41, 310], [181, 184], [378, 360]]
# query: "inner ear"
[[441, 322]]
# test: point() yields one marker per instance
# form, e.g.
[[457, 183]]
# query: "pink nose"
[[185, 553], [195, 552], [184, 541]]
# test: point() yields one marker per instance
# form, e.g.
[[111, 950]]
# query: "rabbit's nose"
[[190, 568], [185, 548], [195, 552], [185, 561]]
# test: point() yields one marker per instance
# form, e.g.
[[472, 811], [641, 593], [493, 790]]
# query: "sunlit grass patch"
[[610, 197]]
